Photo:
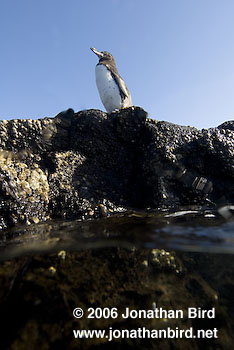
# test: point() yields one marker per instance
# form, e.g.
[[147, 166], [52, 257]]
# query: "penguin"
[[112, 88]]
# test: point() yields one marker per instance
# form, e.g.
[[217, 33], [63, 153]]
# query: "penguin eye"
[[107, 54]]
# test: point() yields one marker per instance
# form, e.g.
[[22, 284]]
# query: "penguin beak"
[[98, 53]]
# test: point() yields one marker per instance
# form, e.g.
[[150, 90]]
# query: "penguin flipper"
[[120, 82], [122, 86]]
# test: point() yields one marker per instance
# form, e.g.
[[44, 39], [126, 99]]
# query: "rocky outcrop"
[[91, 164]]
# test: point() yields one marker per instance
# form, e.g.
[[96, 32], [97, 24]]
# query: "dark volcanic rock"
[[91, 164], [183, 165]]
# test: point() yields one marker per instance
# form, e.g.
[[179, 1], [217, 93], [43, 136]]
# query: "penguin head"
[[104, 56]]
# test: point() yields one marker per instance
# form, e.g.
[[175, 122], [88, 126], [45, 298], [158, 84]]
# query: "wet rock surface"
[[92, 164]]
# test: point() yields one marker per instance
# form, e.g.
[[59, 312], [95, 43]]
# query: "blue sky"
[[176, 56]]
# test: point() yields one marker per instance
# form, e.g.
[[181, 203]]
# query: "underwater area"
[[147, 279]]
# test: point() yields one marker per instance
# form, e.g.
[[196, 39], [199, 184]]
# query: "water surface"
[[173, 260]]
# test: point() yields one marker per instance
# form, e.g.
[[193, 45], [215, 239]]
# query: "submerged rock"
[[92, 164], [39, 293]]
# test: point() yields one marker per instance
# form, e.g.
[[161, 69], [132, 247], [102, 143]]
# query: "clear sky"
[[176, 56]]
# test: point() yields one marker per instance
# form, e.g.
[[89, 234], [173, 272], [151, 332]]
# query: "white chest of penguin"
[[108, 89]]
